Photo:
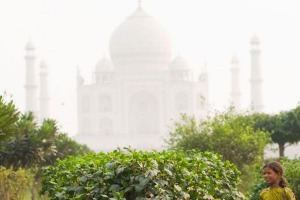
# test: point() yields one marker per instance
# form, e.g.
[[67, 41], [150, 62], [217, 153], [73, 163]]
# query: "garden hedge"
[[131, 174]]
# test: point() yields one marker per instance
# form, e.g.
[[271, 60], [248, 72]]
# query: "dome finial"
[[140, 3]]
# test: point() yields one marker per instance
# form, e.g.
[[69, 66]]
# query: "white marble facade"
[[138, 89]]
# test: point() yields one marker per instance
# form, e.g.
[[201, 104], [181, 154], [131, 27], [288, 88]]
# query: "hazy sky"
[[75, 33]]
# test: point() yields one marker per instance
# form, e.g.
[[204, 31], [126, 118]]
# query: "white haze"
[[75, 33]]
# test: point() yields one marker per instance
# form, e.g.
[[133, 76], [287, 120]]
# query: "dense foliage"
[[65, 146], [132, 174], [29, 145], [9, 115], [291, 173], [228, 133], [14, 184], [284, 127], [32, 145]]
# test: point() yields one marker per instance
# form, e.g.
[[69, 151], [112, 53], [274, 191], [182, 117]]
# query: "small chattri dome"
[[255, 40], [43, 64], [179, 63], [104, 64], [234, 59], [202, 77], [29, 45]]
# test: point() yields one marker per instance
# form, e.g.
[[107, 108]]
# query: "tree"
[[65, 146], [9, 115], [30, 143], [32, 146], [228, 133], [26, 144], [284, 127]]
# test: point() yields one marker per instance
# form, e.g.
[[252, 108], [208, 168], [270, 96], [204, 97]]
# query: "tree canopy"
[[284, 127], [9, 115], [228, 133], [31, 143], [26, 143]]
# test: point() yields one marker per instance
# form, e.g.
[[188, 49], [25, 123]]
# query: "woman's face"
[[271, 177]]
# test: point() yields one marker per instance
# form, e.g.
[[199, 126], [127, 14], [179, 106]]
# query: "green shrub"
[[256, 189], [14, 184], [292, 174], [142, 175]]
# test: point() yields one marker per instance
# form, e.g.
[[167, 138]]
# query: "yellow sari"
[[277, 194]]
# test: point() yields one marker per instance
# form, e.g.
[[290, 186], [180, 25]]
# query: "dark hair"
[[277, 168]]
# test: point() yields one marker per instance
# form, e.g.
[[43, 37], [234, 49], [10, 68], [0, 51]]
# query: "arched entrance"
[[143, 114]]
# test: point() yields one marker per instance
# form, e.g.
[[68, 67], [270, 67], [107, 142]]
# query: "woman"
[[277, 189]]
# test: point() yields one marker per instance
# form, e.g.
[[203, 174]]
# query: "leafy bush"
[[132, 174], [14, 184], [228, 133], [256, 189], [292, 174]]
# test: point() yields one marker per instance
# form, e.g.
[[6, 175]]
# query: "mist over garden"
[[219, 157]]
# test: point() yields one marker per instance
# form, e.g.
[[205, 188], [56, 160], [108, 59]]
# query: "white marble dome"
[[104, 64], [179, 63], [140, 42]]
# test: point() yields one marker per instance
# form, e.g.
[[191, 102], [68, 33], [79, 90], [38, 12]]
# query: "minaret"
[[256, 80], [31, 87], [79, 78], [44, 92], [203, 78], [235, 84]]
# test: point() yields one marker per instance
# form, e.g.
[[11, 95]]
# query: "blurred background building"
[[139, 88]]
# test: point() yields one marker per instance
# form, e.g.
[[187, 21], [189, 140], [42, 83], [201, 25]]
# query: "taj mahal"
[[139, 88]]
